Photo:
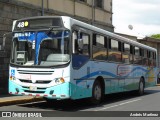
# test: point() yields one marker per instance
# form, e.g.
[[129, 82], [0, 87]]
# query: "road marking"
[[118, 104]]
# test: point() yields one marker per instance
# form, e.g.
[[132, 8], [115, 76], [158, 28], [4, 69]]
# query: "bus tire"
[[141, 87], [96, 93], [50, 101]]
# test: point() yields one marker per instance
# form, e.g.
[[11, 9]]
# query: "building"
[[132, 37], [96, 12]]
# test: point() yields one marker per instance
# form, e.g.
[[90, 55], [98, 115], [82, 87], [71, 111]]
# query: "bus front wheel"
[[96, 93]]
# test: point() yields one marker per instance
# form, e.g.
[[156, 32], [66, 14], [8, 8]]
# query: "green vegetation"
[[156, 36]]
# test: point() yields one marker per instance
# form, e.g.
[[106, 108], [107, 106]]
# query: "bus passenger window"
[[80, 43], [81, 49], [99, 47], [114, 54], [145, 59]]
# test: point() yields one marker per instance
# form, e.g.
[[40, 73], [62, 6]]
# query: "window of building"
[[98, 3], [82, 0]]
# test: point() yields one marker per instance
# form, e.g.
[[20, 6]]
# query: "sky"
[[143, 15]]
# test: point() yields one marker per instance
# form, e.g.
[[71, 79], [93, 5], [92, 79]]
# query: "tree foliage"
[[156, 36]]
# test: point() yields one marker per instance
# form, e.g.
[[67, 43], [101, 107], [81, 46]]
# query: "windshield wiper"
[[51, 28]]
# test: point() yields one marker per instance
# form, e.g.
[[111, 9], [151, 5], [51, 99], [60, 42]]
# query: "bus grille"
[[37, 81], [28, 91], [32, 72]]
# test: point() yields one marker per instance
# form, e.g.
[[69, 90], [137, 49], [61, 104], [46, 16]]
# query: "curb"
[[7, 102], [157, 84]]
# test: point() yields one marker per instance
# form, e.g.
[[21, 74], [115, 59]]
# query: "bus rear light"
[[30, 94], [37, 94]]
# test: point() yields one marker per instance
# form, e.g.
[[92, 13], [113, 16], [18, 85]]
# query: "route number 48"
[[20, 25]]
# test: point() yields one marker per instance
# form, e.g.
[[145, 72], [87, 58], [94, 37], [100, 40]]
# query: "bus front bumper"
[[60, 91]]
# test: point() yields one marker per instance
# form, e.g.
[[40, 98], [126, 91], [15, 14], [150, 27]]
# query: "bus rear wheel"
[[141, 87], [96, 93]]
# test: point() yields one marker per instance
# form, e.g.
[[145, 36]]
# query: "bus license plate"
[[33, 88]]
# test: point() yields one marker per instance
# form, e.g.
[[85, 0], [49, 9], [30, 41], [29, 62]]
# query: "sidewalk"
[[11, 100]]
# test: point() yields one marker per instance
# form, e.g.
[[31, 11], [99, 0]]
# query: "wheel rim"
[[97, 92]]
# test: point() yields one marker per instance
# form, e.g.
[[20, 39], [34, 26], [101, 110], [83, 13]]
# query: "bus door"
[[81, 60]]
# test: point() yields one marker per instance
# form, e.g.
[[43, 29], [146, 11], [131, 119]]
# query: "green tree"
[[156, 36]]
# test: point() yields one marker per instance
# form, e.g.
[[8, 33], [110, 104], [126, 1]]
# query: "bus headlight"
[[59, 80]]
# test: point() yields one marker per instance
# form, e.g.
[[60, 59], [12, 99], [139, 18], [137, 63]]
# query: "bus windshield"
[[41, 48]]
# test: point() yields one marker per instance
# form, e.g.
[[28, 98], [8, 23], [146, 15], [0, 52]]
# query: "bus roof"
[[101, 31], [72, 21]]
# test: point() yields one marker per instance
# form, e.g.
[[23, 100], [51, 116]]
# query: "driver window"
[[80, 43]]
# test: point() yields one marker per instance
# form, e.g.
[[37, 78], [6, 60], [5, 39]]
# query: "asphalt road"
[[150, 101]]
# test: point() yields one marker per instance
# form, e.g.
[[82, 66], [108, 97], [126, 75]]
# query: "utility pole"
[[93, 11], [42, 8]]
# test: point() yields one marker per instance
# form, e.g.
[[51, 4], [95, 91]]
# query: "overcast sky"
[[143, 15]]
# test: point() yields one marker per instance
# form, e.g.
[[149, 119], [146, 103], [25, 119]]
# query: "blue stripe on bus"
[[140, 68], [96, 73], [109, 74]]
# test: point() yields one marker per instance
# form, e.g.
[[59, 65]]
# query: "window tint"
[[114, 53], [99, 47], [145, 58], [137, 51], [114, 45], [81, 43], [81, 49], [126, 53], [126, 48]]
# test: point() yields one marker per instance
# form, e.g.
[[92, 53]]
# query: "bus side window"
[[99, 47], [85, 47], [114, 54], [145, 59], [80, 43], [81, 50], [126, 53]]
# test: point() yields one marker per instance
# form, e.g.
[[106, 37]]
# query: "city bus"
[[58, 57]]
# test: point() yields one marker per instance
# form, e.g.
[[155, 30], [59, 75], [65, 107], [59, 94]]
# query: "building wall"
[[84, 11]]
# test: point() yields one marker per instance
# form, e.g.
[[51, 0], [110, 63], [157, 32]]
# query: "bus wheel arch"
[[98, 90]]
